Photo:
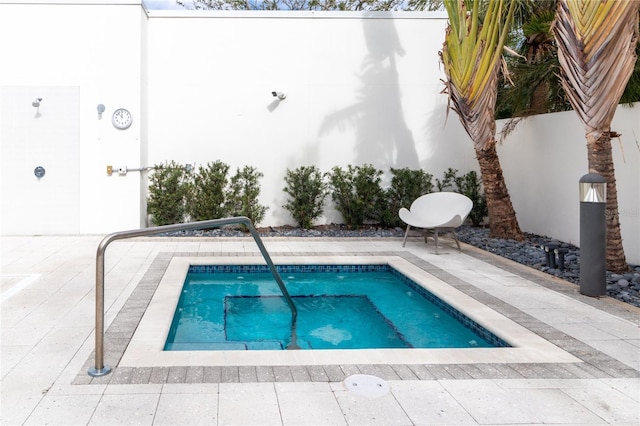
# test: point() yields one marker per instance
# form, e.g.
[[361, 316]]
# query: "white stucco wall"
[[48, 51], [361, 88]]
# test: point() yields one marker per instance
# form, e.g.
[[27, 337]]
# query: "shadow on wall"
[[449, 145], [382, 136]]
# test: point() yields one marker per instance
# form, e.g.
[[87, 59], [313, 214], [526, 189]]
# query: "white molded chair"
[[437, 211]]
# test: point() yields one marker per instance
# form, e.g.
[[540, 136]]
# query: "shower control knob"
[[39, 171]]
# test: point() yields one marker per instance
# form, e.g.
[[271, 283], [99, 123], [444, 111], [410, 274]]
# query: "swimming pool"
[[229, 307], [146, 346]]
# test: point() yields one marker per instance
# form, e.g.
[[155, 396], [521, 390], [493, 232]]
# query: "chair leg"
[[435, 237], [455, 237], [405, 235]]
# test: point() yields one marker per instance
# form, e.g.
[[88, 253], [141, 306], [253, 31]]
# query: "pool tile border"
[[595, 364], [358, 268]]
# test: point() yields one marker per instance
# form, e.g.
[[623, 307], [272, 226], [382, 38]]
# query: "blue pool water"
[[339, 307]]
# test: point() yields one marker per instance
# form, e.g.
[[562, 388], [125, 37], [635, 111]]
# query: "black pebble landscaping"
[[530, 252]]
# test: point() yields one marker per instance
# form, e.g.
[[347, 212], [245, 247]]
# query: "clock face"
[[121, 118]]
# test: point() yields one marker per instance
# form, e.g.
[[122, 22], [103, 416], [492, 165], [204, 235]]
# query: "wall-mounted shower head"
[[36, 103]]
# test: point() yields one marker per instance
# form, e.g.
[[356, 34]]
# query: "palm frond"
[[471, 56], [597, 54]]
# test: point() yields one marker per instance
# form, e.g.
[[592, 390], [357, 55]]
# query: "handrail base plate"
[[93, 372]]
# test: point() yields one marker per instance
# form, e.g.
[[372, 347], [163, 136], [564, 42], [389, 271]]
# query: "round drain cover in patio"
[[366, 385]]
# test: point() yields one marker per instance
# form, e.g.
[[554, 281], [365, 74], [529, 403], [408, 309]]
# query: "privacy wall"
[[360, 88], [543, 161]]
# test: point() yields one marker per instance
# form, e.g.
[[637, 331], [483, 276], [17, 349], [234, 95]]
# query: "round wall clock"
[[122, 118]]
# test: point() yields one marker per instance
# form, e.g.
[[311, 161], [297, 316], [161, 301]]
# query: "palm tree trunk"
[[502, 216], [540, 98], [601, 162]]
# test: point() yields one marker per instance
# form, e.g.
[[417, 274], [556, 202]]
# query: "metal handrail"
[[99, 369]]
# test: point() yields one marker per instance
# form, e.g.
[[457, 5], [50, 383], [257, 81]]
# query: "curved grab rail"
[[99, 369]]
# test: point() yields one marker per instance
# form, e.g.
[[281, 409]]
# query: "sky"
[[162, 4]]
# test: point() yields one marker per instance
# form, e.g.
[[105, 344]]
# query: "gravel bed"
[[530, 252]]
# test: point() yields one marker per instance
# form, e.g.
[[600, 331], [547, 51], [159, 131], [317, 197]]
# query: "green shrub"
[[207, 192], [242, 198], [471, 186], [168, 188], [308, 191], [406, 186], [356, 193], [448, 180]]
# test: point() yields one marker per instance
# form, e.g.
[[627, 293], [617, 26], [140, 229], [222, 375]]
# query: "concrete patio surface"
[[47, 343]]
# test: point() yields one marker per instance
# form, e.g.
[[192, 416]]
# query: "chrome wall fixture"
[[36, 105], [101, 109]]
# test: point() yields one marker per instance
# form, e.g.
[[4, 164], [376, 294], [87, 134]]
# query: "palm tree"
[[294, 4], [632, 90], [533, 86], [471, 55], [597, 43]]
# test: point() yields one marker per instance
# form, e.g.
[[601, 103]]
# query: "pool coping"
[[590, 362]]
